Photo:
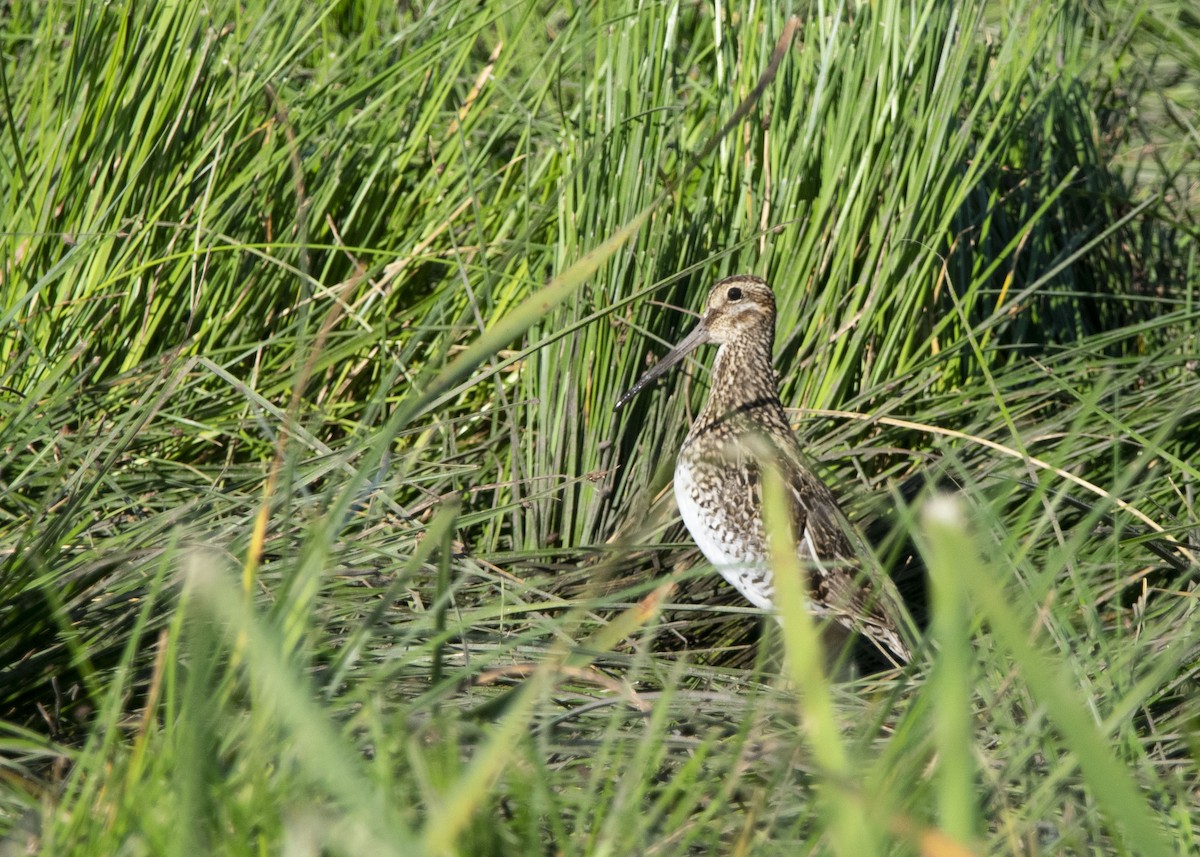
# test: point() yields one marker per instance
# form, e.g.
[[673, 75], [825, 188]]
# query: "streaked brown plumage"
[[718, 485]]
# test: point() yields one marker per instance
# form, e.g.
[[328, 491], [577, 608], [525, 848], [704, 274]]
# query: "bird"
[[743, 429]]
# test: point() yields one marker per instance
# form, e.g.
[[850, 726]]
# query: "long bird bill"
[[698, 336]]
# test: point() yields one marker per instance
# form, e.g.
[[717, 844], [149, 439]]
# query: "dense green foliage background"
[[319, 532]]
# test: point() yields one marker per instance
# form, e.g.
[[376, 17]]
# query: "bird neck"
[[744, 394]]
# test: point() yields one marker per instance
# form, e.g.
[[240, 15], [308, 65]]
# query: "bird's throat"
[[743, 391]]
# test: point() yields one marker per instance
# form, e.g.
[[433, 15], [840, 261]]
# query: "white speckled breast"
[[745, 567]]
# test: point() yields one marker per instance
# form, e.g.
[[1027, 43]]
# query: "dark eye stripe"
[[734, 293]]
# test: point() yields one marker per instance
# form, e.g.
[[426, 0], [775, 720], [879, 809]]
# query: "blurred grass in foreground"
[[319, 533]]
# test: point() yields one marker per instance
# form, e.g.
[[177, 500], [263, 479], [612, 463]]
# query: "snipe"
[[718, 485]]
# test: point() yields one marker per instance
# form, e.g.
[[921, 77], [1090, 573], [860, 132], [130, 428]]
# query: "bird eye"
[[734, 293]]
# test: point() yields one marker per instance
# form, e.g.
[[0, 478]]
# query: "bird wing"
[[853, 593], [856, 594]]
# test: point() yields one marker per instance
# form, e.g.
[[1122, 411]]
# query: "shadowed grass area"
[[318, 530]]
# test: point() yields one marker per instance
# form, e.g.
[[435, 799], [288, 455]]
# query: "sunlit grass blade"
[[811, 684], [287, 699], [1053, 686], [952, 676]]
